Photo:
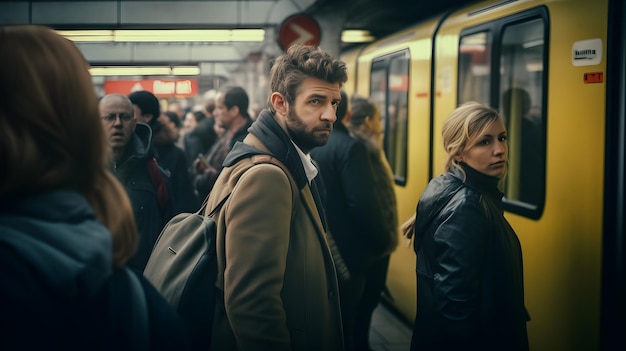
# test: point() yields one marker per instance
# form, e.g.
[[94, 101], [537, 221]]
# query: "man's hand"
[[201, 165]]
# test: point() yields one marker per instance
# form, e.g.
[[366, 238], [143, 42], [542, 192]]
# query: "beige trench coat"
[[279, 283]]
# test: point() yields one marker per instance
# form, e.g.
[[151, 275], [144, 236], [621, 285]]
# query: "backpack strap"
[[158, 181], [295, 192], [258, 159]]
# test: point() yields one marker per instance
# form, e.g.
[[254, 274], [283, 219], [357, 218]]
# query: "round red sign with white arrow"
[[299, 29]]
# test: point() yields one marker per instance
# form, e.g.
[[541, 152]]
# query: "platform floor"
[[388, 333]]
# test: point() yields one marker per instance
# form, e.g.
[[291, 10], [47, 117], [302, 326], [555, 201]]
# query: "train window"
[[522, 54], [502, 64], [475, 67], [389, 90]]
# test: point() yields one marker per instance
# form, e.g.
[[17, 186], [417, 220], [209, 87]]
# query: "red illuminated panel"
[[181, 88]]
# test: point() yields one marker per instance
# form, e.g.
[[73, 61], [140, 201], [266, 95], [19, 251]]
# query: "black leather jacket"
[[469, 268]]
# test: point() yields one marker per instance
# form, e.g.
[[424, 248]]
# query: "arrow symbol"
[[303, 35], [137, 87]]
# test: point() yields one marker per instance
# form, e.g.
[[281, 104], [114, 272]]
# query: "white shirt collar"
[[309, 167]]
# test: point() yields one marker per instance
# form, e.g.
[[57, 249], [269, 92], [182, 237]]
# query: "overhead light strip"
[[190, 35], [172, 35], [356, 36], [145, 71]]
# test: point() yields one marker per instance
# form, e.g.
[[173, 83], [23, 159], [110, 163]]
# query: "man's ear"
[[237, 112], [279, 103]]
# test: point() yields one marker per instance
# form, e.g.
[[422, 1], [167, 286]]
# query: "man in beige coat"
[[277, 286]]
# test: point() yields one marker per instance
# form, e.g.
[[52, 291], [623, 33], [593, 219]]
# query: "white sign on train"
[[587, 52]]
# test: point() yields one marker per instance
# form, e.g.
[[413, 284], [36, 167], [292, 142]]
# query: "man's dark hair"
[[199, 116], [342, 108], [209, 106], [147, 103], [174, 118], [301, 62], [236, 96]]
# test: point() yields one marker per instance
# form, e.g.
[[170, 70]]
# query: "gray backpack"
[[183, 264]]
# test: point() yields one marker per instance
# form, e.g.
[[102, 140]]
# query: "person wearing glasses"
[[133, 162]]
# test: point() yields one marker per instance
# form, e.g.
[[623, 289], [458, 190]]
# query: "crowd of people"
[[87, 184]]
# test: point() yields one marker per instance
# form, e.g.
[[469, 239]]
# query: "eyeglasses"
[[111, 117]]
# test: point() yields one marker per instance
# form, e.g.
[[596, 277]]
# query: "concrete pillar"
[[331, 24]]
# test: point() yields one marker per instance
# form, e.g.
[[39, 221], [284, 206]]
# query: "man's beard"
[[301, 137]]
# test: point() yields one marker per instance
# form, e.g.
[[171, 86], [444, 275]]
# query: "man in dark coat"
[[136, 168], [231, 115], [354, 221], [175, 162]]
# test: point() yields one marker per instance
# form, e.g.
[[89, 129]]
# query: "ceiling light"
[[171, 35], [185, 70], [145, 71], [356, 36]]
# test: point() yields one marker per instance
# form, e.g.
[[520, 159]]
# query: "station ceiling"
[[380, 17], [383, 17]]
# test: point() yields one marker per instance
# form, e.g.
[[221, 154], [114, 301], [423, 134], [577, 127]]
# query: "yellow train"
[[555, 70]]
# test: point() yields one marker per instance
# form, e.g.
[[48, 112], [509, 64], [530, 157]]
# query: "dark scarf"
[[272, 135]]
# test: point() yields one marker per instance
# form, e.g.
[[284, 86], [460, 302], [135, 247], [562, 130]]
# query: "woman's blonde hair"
[[464, 125], [51, 135]]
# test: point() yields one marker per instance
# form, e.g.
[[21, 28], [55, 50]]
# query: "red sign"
[[593, 77], [299, 29], [182, 88]]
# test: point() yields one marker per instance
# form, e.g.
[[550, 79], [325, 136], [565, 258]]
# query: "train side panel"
[[562, 248]]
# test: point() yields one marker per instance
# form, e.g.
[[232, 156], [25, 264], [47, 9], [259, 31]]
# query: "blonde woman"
[[66, 225], [469, 259]]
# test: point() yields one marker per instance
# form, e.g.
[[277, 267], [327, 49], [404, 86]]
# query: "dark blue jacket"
[[59, 290], [354, 219], [470, 284]]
